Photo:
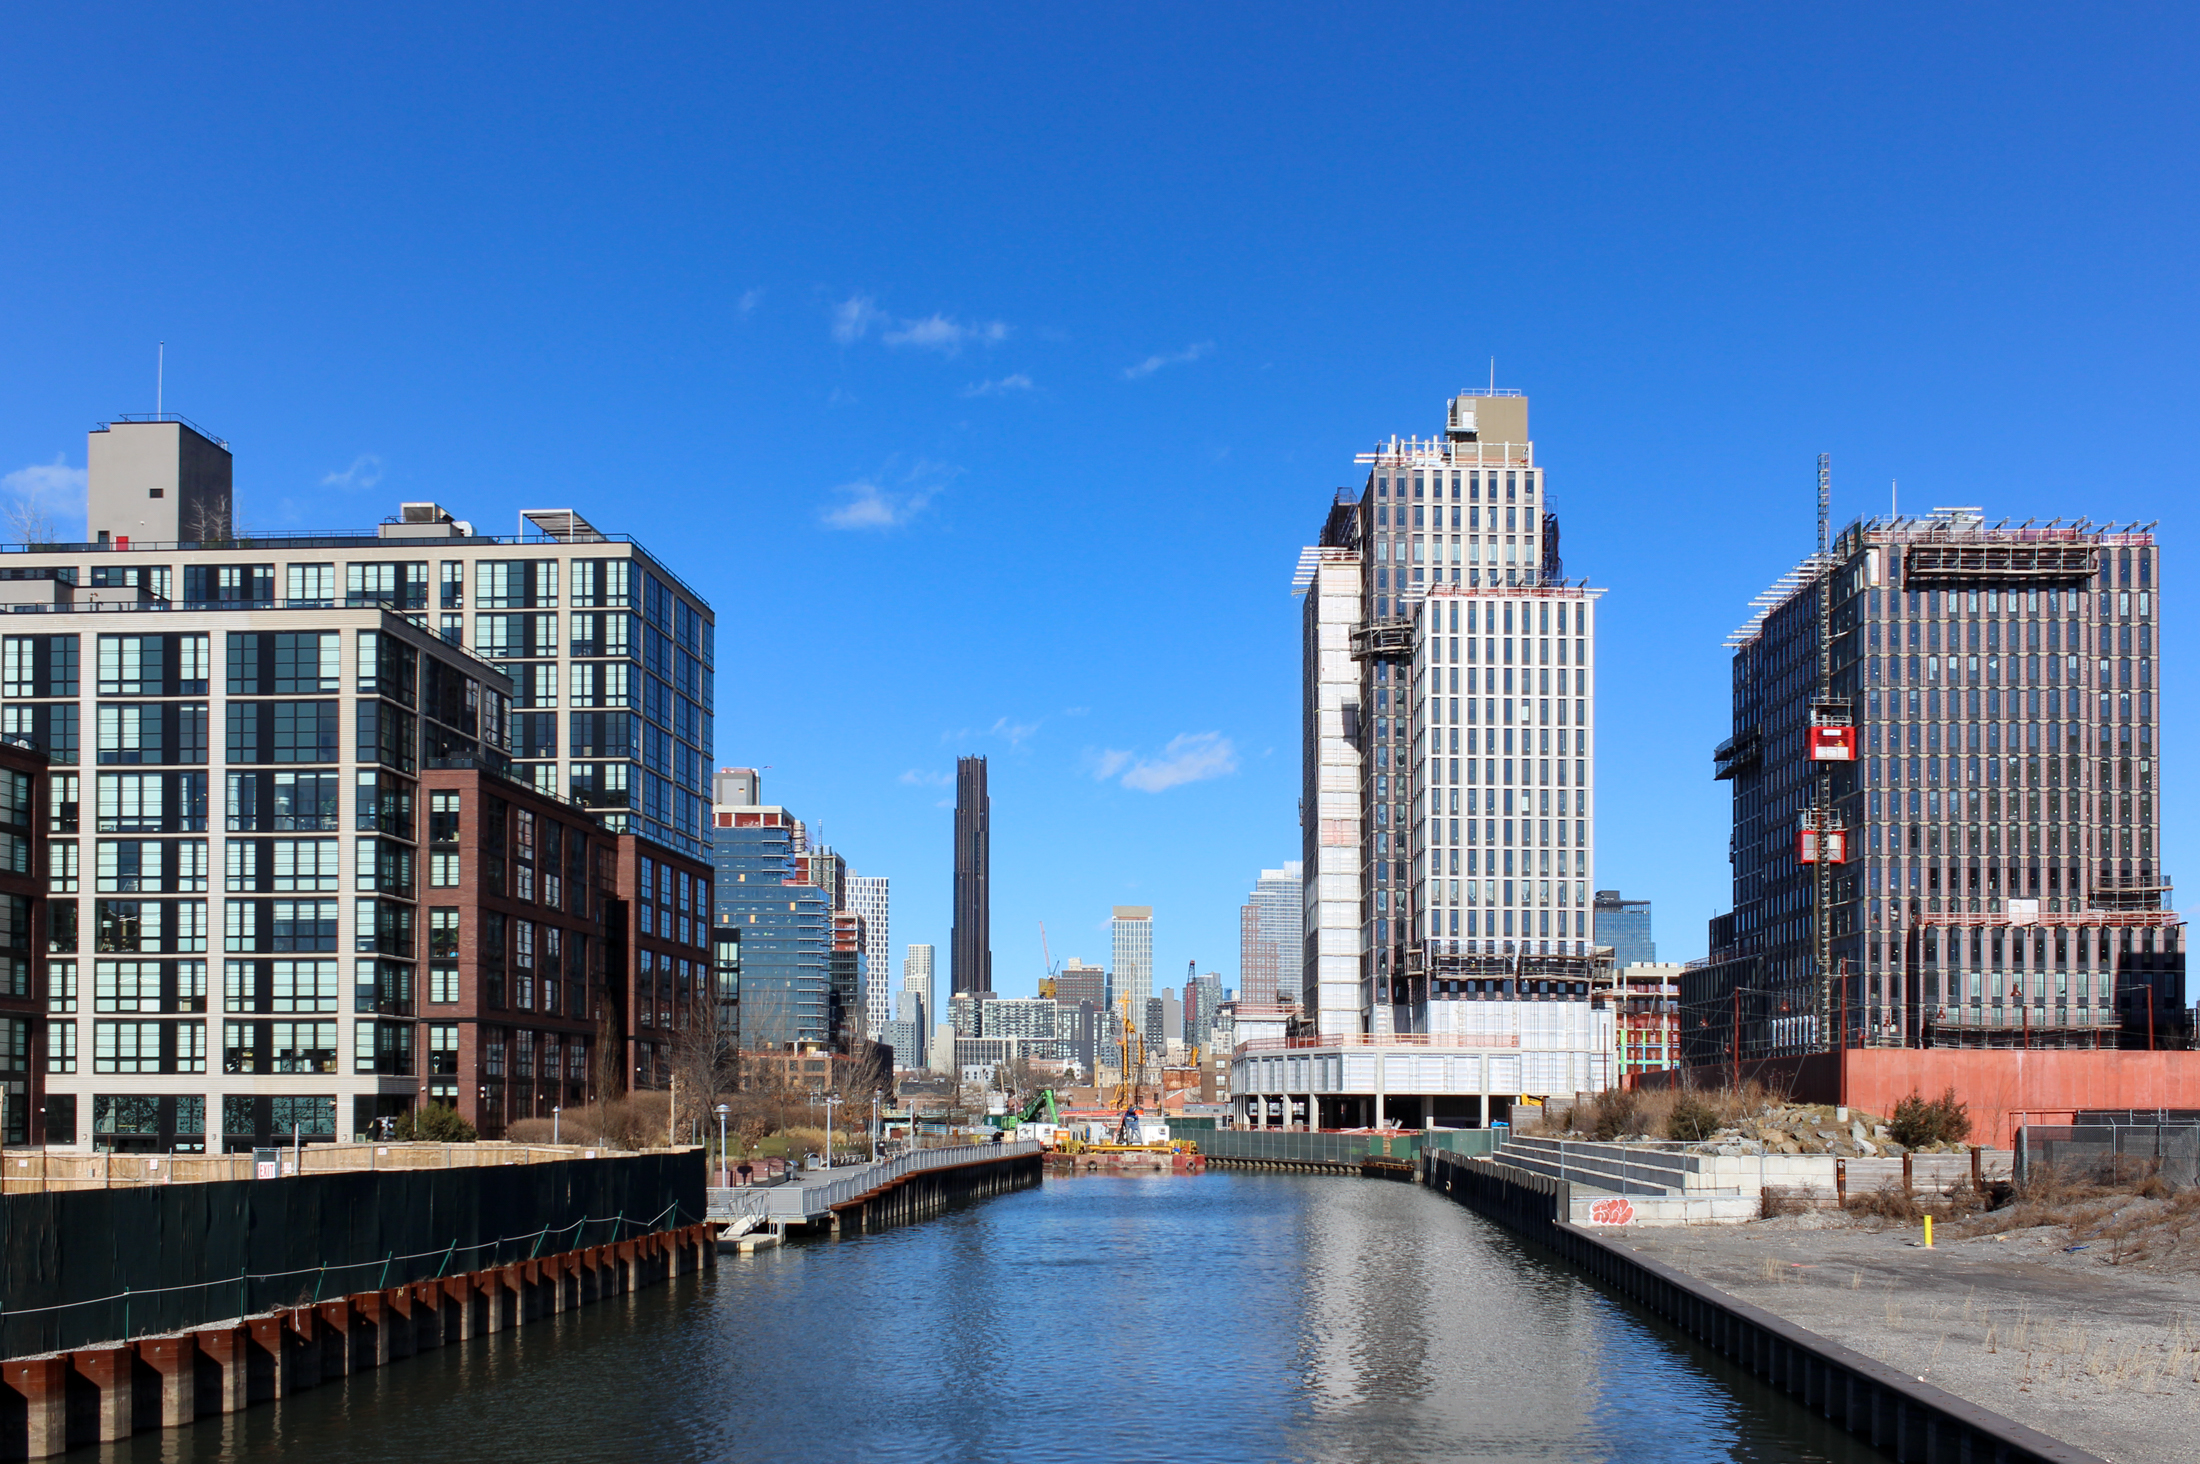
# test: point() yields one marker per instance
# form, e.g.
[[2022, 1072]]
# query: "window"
[[442, 1049], [498, 636], [61, 875], [279, 1047], [148, 1047], [51, 727], [283, 663], [38, 665], [505, 584], [443, 954], [152, 732], [282, 802], [387, 736], [402, 585], [382, 926], [153, 665], [385, 802], [282, 731], [604, 633], [443, 851], [602, 582], [151, 866], [533, 684], [280, 986], [601, 684], [149, 925], [61, 1047], [150, 803], [309, 584], [228, 584], [283, 866], [535, 734], [382, 1047], [281, 925], [384, 865], [383, 986], [388, 667]]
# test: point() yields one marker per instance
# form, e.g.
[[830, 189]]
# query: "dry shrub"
[[1614, 1112], [1777, 1200], [1888, 1202], [1691, 1119]]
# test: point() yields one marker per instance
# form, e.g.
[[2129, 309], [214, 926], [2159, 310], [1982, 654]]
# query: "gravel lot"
[[2104, 1356]]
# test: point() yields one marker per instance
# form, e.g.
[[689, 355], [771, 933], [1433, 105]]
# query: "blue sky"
[[986, 367]]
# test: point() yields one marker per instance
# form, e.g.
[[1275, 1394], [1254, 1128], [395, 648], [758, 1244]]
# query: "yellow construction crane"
[[1046, 982], [1126, 1092]]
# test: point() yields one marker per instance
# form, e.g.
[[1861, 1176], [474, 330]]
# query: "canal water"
[[1221, 1317]]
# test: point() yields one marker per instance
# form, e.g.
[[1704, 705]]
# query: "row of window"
[[268, 1047], [1517, 485]]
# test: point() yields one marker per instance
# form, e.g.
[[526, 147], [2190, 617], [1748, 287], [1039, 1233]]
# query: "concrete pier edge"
[[1907, 1418]]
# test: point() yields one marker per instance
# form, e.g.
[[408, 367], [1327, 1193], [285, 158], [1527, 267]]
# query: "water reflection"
[[1099, 1319]]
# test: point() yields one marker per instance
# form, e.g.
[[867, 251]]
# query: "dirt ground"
[[2072, 1328]]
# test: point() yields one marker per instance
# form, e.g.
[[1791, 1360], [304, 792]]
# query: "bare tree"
[[207, 521], [29, 521], [707, 1059]]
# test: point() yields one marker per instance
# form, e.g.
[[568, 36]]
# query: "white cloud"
[[854, 317], [750, 299], [1012, 383], [945, 334], [1152, 364], [43, 503], [1015, 732], [918, 778], [1107, 762], [872, 505], [1190, 757], [365, 471], [857, 316]]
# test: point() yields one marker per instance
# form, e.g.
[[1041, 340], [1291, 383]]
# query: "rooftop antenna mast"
[[1493, 376]]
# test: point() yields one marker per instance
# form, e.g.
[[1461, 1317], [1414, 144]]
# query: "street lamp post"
[[874, 1125], [832, 1101], [554, 1116], [723, 1178]]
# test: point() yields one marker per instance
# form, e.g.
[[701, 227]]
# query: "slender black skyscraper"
[[971, 951]]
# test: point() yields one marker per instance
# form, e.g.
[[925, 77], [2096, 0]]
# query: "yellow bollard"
[[1928, 1232]]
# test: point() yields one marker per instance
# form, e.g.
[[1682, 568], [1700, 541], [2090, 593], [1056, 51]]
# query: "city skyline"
[[970, 421]]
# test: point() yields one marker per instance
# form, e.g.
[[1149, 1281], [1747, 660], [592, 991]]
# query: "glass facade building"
[[2000, 884]]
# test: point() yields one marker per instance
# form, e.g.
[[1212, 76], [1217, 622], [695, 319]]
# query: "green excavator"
[[1040, 1109]]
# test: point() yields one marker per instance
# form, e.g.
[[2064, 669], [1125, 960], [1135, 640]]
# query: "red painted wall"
[[2001, 1085]]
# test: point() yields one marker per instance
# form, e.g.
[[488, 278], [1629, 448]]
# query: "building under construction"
[[1945, 765], [1449, 809]]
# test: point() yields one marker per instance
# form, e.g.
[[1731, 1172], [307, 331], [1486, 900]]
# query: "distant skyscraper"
[[1269, 937], [1624, 925], [869, 897], [1202, 998], [970, 951], [786, 924], [916, 976], [1077, 982], [1132, 929]]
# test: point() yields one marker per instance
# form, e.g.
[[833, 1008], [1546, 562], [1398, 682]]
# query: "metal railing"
[[797, 1204]]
